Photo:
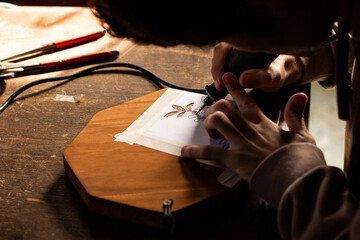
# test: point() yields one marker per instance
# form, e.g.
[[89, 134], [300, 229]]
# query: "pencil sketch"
[[180, 111]]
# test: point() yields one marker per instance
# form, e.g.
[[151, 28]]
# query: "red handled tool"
[[10, 68]]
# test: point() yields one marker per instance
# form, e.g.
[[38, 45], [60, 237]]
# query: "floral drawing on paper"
[[180, 111]]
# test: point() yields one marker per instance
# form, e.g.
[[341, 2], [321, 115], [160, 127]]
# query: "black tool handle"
[[237, 62]]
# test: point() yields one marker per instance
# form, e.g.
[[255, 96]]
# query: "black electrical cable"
[[93, 70]]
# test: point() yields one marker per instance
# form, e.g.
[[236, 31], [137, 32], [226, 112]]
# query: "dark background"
[[49, 3]]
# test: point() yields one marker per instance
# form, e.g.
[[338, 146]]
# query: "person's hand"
[[284, 70], [252, 136]]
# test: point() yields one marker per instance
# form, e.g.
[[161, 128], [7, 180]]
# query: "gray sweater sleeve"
[[312, 199]]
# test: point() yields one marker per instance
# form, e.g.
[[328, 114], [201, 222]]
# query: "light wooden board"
[[131, 182]]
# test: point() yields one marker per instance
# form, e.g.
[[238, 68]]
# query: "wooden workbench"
[[37, 201]]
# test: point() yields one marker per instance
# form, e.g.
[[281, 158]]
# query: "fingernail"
[[300, 102]]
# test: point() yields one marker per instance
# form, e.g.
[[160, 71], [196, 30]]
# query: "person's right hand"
[[284, 70], [252, 137]]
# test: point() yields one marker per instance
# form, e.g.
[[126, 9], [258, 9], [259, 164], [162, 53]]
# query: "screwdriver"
[[237, 62]]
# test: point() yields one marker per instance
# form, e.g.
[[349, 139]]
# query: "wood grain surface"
[[37, 200], [133, 176]]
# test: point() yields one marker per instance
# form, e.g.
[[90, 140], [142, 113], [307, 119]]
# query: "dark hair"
[[170, 22]]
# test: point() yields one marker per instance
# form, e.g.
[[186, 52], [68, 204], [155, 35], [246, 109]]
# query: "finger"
[[247, 106], [218, 61], [219, 123], [213, 133], [233, 114], [292, 68], [206, 152], [238, 162], [222, 105], [294, 112], [284, 70]]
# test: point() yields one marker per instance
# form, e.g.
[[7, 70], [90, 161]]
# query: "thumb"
[[294, 112]]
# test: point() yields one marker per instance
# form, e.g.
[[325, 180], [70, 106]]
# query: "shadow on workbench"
[[80, 222], [252, 219]]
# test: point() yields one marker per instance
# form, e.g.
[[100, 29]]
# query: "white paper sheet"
[[172, 122]]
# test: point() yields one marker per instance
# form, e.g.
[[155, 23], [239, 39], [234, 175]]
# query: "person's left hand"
[[284, 70], [252, 136]]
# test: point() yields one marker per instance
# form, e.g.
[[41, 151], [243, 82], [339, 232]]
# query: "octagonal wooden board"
[[131, 182]]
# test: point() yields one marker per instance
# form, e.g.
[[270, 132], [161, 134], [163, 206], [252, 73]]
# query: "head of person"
[[273, 26]]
